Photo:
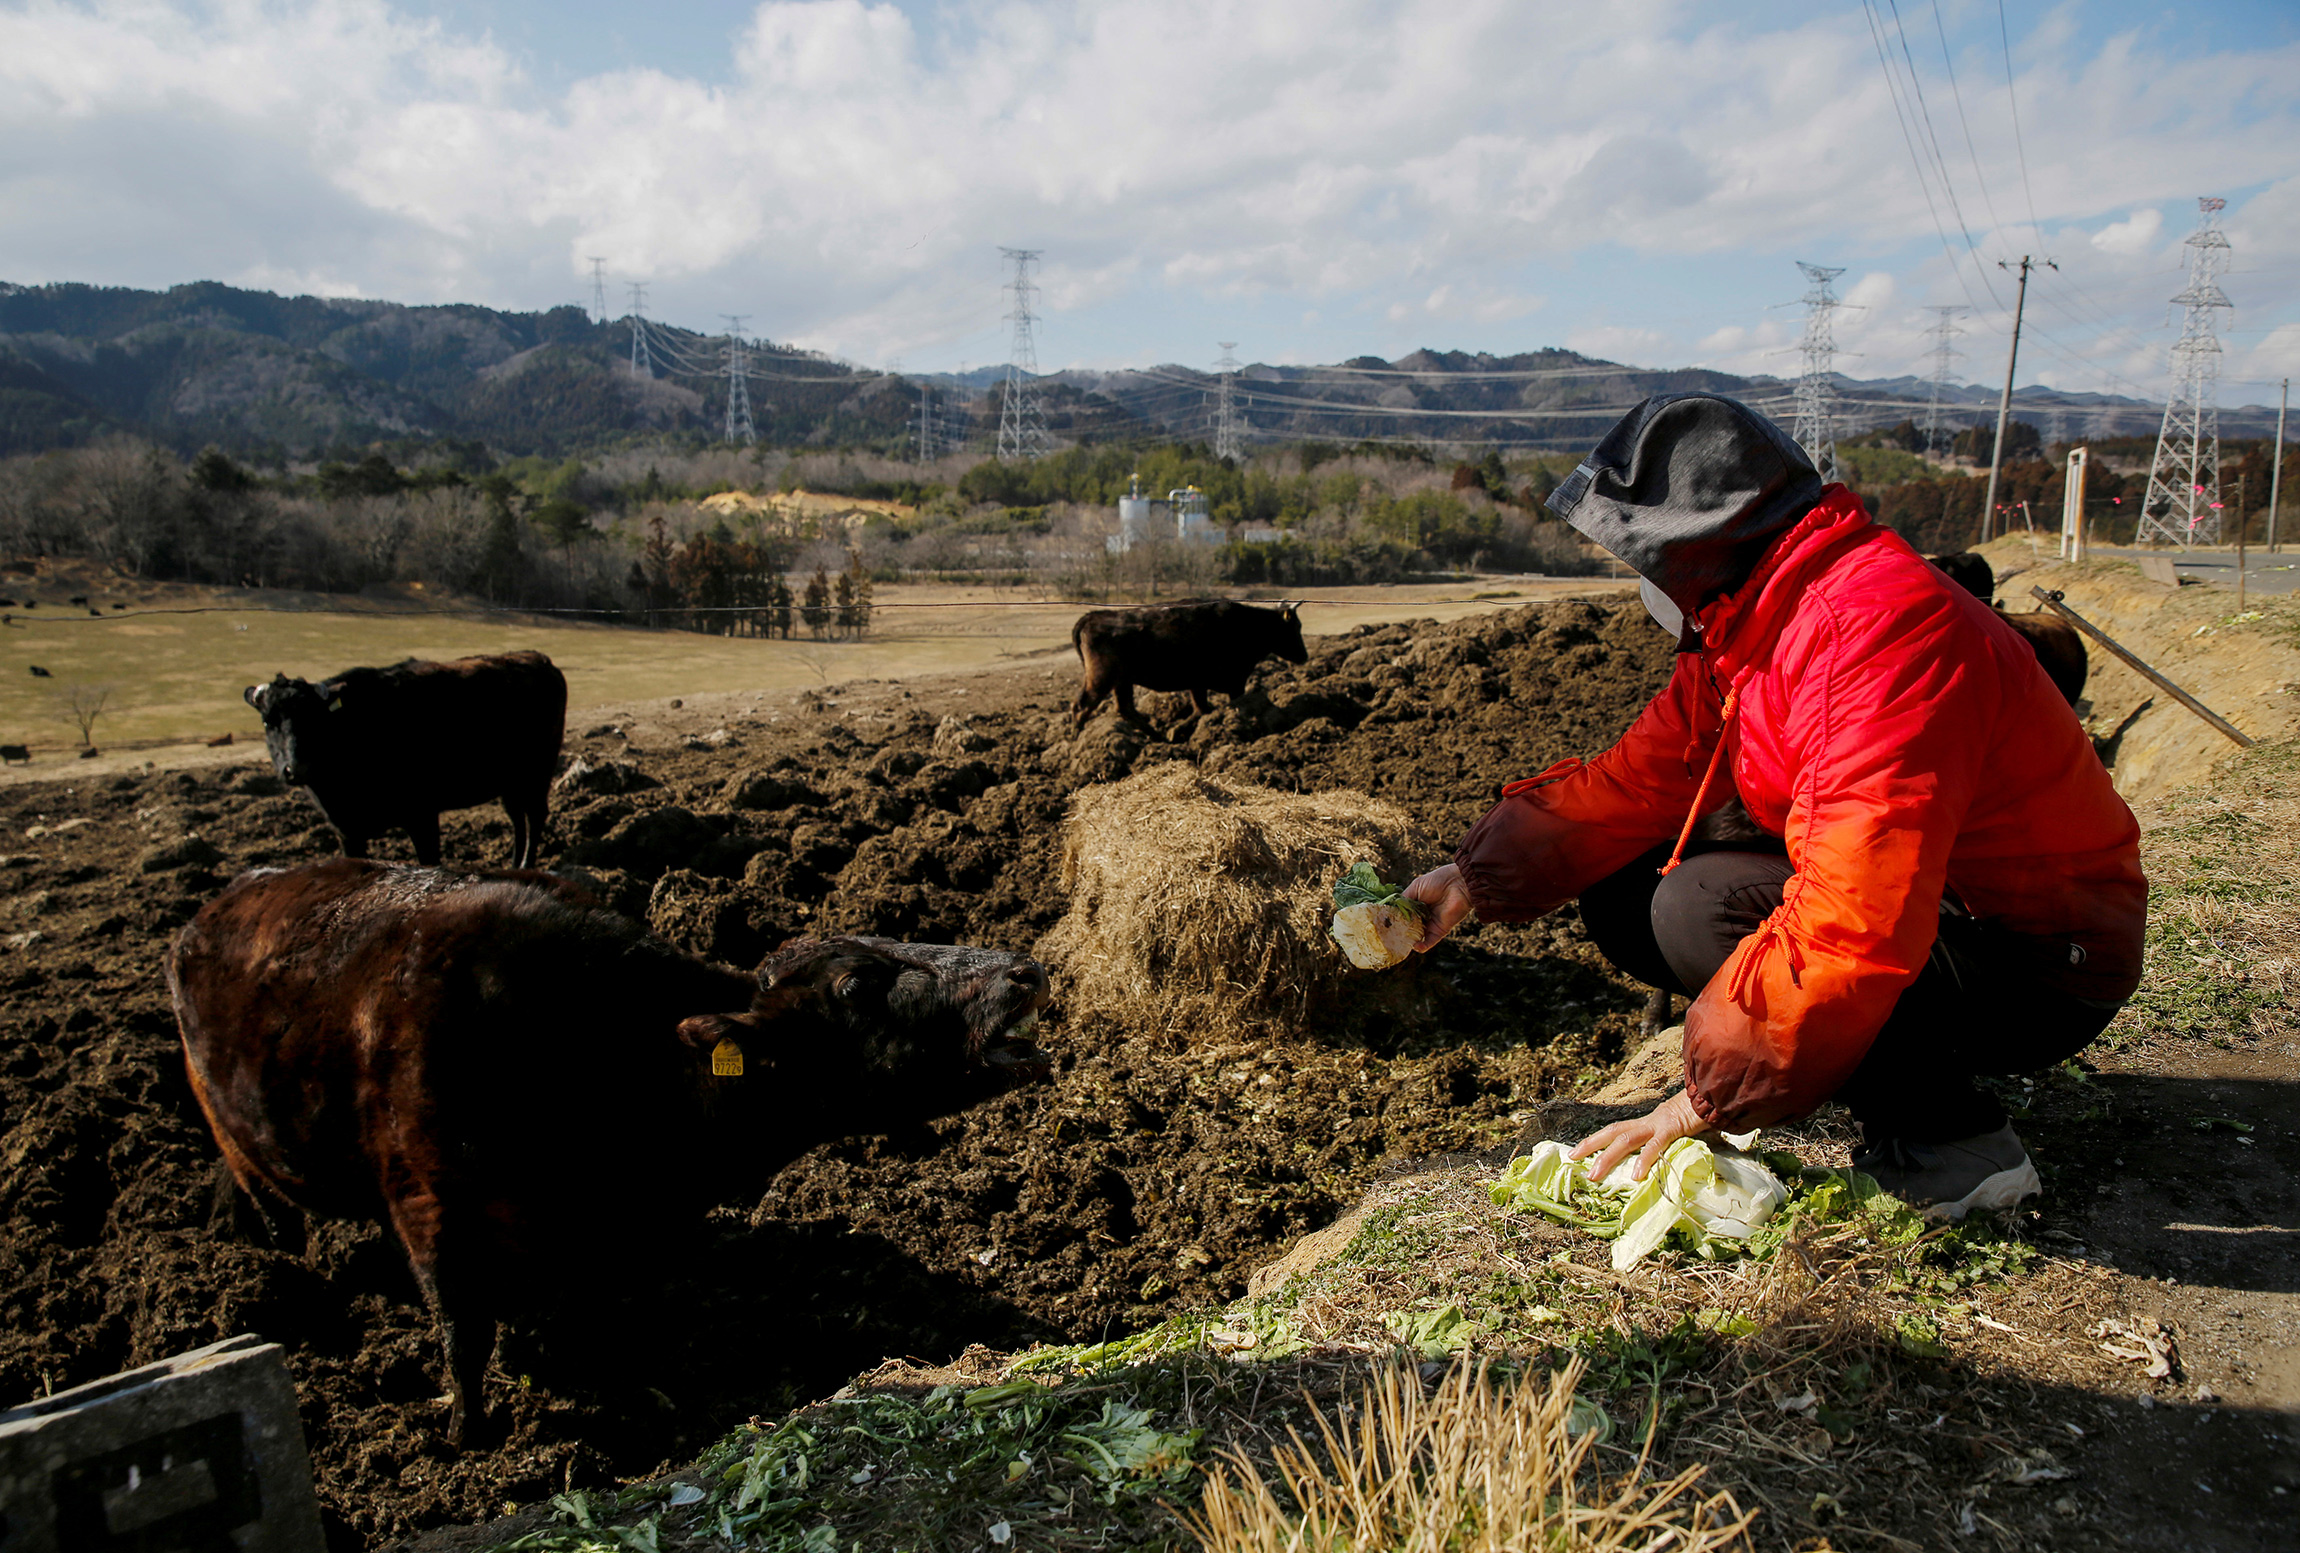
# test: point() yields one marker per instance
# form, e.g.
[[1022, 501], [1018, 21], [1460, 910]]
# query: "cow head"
[[887, 1032], [296, 729], [1289, 635]]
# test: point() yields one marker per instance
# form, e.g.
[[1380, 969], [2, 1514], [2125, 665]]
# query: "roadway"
[[2264, 572]]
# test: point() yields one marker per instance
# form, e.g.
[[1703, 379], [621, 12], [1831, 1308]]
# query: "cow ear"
[[704, 1031], [722, 1035]]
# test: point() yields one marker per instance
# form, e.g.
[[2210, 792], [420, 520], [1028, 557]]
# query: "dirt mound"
[[1147, 1175], [1200, 906]]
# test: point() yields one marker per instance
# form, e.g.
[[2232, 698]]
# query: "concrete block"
[[2158, 568], [201, 1453]]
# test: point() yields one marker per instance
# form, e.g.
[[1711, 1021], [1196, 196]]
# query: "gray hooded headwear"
[[1690, 490]]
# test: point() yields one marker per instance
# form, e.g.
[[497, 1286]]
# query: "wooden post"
[[2276, 463], [2240, 516], [2052, 601]]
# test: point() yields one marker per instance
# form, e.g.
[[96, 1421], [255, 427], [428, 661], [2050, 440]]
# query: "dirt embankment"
[[1151, 1175], [2245, 666]]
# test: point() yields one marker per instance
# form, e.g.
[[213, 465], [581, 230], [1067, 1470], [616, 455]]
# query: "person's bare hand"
[[1444, 901], [1648, 1136]]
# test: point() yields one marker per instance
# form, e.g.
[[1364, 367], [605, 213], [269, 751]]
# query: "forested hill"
[[259, 373], [271, 378]]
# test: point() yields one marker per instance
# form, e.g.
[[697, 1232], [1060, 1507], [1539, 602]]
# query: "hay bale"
[[1201, 906]]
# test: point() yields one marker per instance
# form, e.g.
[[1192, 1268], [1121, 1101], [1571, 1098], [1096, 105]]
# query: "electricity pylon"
[[929, 444], [1944, 354], [2183, 501], [598, 288], [642, 359], [739, 428], [1225, 422], [1021, 424], [1816, 430]]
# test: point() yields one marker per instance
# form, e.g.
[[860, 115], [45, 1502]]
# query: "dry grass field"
[[172, 664]]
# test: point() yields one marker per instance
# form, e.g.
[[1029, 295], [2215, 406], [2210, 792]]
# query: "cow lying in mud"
[[494, 1066], [2055, 642], [1199, 647], [389, 749]]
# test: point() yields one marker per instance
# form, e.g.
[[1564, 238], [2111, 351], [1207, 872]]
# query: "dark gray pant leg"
[[1981, 1004]]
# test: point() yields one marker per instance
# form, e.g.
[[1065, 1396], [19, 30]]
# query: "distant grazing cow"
[[389, 749], [2054, 641], [1200, 647], [15, 755], [499, 1069], [40, 673]]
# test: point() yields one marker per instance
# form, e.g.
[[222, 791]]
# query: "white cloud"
[[2136, 233], [848, 183]]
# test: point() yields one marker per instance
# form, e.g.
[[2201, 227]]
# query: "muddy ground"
[[1151, 1176]]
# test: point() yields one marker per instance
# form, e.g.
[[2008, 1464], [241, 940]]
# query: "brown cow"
[[390, 748], [1200, 647], [494, 1066], [2055, 642]]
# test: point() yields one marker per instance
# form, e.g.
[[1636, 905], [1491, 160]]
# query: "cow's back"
[[350, 1023], [1176, 646], [287, 989], [451, 734]]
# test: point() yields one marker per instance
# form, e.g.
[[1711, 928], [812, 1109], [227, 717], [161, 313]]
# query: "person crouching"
[[1946, 886]]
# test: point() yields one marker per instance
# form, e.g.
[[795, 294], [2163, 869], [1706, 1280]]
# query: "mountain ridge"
[[274, 376]]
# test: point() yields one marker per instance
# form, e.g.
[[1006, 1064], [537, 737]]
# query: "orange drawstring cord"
[[1701, 794]]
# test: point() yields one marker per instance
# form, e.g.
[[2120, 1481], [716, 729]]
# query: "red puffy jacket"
[[1902, 740]]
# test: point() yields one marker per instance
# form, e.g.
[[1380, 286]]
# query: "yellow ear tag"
[[727, 1059]]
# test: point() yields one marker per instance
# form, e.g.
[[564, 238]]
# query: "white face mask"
[[1665, 613]]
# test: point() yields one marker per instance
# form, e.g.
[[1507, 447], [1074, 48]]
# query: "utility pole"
[[2004, 400], [1021, 425], [599, 288], [1816, 396], [2276, 463], [2184, 477], [1943, 354], [1225, 427], [739, 428], [642, 359]]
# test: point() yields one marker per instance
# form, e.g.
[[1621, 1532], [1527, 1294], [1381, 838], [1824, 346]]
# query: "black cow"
[[1201, 646], [500, 1070], [2055, 642], [390, 748]]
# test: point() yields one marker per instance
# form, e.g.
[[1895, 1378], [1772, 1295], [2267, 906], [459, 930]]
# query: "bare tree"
[[87, 702]]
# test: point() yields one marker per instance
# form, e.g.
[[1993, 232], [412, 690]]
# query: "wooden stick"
[[2052, 600]]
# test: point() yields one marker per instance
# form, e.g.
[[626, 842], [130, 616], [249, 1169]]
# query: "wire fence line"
[[630, 616]]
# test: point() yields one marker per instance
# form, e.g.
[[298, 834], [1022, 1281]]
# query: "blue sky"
[[1314, 179]]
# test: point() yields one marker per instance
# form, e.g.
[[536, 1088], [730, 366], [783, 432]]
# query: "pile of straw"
[[1201, 906]]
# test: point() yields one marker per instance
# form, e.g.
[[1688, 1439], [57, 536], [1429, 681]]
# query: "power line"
[[1916, 157], [2020, 152]]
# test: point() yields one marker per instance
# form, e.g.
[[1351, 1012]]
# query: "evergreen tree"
[[854, 593], [814, 606]]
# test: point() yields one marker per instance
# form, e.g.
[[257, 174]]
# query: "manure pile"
[[1155, 1171]]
